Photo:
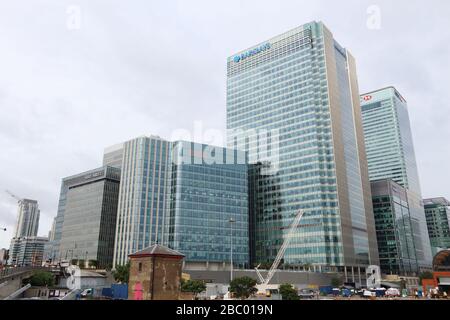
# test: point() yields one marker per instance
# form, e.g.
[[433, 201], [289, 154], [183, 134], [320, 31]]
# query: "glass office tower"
[[208, 188], [142, 196], [390, 155], [293, 104], [113, 156], [394, 228], [183, 195], [52, 247], [27, 219], [437, 212], [89, 225]]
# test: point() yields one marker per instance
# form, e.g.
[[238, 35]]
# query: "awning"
[[444, 281]]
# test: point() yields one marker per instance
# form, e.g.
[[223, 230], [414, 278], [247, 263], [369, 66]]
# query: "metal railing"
[[10, 272], [18, 292]]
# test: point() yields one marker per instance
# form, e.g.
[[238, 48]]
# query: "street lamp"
[[67, 251], [231, 221]]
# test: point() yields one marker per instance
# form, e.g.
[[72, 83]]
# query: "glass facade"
[[27, 219], [182, 195], [437, 212], [90, 216], [206, 192], [113, 156], [390, 155], [394, 228], [142, 196], [27, 251], [52, 248], [301, 88]]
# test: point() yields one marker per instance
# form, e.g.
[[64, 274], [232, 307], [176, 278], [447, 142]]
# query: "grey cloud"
[[150, 67]]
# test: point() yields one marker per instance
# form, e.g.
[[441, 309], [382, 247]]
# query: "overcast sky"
[[78, 76]]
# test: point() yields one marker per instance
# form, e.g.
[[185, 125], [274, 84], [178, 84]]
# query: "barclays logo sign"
[[252, 52]]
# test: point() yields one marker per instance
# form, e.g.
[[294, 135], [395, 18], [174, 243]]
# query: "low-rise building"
[[155, 274], [441, 273]]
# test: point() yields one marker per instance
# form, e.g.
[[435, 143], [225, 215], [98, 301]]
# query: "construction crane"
[[291, 230], [13, 195]]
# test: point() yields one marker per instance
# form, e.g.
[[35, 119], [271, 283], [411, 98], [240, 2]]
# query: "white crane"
[[292, 229]]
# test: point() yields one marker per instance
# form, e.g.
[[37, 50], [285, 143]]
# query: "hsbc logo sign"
[[367, 98]]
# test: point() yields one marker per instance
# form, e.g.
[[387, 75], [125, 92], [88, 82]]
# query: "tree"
[[336, 282], [403, 284], [42, 279], [194, 286], [122, 273], [288, 292], [81, 263], [243, 287], [307, 266], [93, 263], [425, 275]]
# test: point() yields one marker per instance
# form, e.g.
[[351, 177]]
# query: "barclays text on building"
[[304, 86]]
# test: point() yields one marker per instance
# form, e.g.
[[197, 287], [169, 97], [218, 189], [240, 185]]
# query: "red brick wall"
[[166, 281]]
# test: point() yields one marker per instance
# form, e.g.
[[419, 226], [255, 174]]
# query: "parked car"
[[380, 292], [336, 291], [346, 293], [326, 290], [369, 294], [306, 294], [87, 292], [392, 292]]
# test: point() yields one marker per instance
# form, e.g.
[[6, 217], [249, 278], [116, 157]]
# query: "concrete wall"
[[300, 279], [9, 286], [12, 284]]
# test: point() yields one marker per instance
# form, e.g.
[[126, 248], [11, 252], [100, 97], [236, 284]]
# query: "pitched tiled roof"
[[157, 249]]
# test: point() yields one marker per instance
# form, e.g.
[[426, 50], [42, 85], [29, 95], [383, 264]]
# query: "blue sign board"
[[251, 52]]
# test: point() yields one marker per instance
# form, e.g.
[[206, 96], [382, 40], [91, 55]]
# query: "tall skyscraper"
[[27, 219], [183, 195], [26, 228], [93, 199], [390, 155], [437, 212], [52, 248], [113, 156], [89, 226], [143, 196], [293, 104], [393, 223], [4, 253]]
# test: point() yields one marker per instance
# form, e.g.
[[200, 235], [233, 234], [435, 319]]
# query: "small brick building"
[[155, 274]]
